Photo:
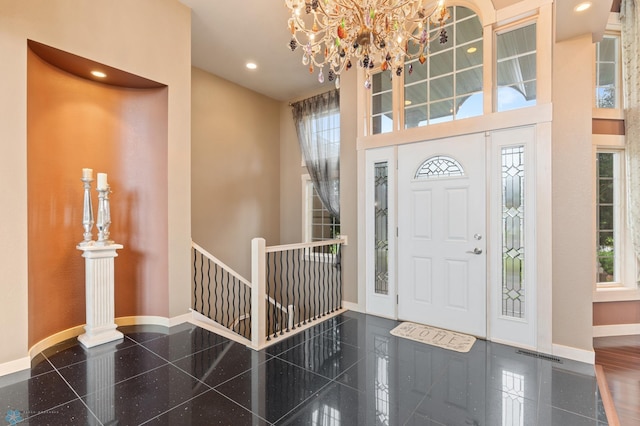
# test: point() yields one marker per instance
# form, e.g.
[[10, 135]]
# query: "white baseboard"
[[353, 306], [15, 366], [180, 319], [153, 320], [142, 320], [575, 354], [615, 330], [54, 339]]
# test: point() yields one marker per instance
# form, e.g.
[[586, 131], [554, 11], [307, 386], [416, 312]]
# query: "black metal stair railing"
[[219, 293], [304, 278], [291, 286]]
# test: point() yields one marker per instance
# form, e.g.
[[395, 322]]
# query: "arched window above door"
[[439, 166]]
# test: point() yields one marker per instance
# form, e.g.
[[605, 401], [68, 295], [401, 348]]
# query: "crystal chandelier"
[[373, 33]]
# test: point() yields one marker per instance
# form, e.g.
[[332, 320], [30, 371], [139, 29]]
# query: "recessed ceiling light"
[[251, 65], [582, 6], [98, 74], [472, 50]]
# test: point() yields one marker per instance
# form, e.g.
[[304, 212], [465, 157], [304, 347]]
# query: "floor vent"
[[539, 355]]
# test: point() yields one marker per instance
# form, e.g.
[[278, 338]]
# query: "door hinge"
[[397, 299]]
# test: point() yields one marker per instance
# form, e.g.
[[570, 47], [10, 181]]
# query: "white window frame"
[[617, 77], [618, 207], [452, 46], [307, 220], [613, 29], [496, 87], [625, 286]]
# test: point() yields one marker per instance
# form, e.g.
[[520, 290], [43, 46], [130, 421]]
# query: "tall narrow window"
[[381, 218], [608, 217], [607, 72], [381, 103], [320, 224], [448, 85], [317, 121], [513, 285], [516, 68]]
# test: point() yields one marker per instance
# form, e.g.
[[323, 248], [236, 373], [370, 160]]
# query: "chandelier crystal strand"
[[372, 33]]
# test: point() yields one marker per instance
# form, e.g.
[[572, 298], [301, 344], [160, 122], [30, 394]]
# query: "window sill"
[[616, 294]]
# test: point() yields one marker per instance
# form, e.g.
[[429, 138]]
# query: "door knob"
[[475, 251]]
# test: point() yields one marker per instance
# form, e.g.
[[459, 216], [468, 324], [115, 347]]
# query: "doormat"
[[435, 336]]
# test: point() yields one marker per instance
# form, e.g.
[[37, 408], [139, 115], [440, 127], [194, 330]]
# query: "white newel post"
[[258, 293], [99, 282]]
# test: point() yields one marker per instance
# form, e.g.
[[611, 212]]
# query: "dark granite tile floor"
[[347, 370]]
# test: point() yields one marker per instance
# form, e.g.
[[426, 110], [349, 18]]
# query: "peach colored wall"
[[148, 38], [573, 216], [74, 123], [235, 169], [601, 126], [613, 313]]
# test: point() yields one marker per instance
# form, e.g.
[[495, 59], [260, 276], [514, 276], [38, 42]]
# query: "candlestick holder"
[[87, 213], [104, 217]]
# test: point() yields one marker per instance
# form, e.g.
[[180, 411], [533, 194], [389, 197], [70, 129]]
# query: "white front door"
[[442, 233]]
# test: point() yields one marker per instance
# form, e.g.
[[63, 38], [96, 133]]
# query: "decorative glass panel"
[[439, 166], [512, 398], [381, 221], [607, 64], [513, 285], [516, 68], [448, 85], [381, 380]]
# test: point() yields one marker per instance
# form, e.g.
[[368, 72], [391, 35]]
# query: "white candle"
[[87, 173], [102, 181]]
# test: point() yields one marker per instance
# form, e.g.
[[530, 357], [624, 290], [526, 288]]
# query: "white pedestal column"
[[101, 327]]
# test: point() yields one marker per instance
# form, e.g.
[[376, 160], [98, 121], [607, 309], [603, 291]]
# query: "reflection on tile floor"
[[346, 371]]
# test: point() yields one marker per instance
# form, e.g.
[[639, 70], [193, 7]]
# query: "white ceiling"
[[228, 34]]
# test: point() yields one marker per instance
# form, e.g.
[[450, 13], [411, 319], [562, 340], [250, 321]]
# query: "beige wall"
[[349, 185], [235, 169], [573, 215], [149, 38], [291, 170]]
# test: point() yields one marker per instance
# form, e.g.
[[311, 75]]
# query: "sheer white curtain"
[[317, 122], [631, 75]]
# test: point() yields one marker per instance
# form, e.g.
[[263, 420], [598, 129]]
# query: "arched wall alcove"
[[73, 123]]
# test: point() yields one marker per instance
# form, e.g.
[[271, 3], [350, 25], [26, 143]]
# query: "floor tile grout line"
[[306, 400], [76, 394], [426, 394], [191, 399], [243, 407]]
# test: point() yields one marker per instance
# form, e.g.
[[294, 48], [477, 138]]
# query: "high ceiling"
[[228, 34]]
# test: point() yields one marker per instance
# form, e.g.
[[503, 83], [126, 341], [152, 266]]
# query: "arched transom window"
[[439, 166]]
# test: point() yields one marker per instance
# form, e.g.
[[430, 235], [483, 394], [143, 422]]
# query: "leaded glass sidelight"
[[513, 285], [381, 231]]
